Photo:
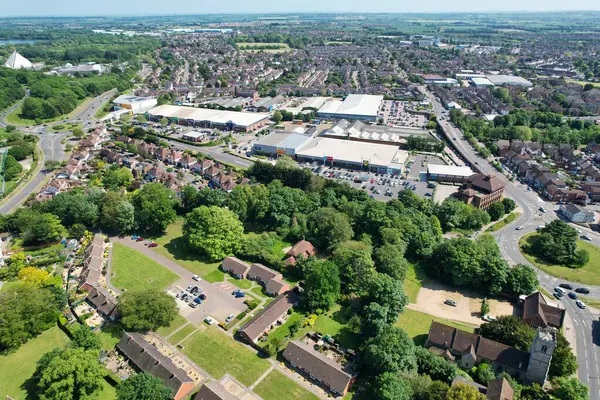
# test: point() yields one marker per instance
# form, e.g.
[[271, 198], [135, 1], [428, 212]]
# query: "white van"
[[560, 290]]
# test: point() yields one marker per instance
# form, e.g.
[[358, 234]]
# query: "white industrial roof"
[[354, 104], [351, 151], [482, 82], [500, 80], [127, 99], [243, 119], [194, 134], [452, 170]]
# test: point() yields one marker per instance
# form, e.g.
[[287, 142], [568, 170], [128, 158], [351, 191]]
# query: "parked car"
[[198, 300], [488, 318], [193, 305], [196, 277], [239, 295], [542, 209], [520, 227], [580, 304], [582, 290], [560, 290], [147, 242], [229, 318], [134, 237], [566, 286], [450, 303], [586, 237], [153, 245], [209, 320], [572, 295], [139, 239], [558, 295], [202, 296]]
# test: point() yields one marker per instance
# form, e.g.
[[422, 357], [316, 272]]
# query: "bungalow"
[[303, 248], [267, 319], [236, 267]]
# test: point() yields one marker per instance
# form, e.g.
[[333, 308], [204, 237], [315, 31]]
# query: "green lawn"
[[16, 368], [177, 322], [182, 333], [108, 392], [110, 334], [417, 324], [259, 290], [218, 354], [415, 277], [277, 386], [133, 271], [44, 250], [241, 283], [173, 246], [589, 274]]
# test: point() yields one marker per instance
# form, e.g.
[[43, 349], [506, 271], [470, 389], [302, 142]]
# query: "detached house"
[[303, 248]]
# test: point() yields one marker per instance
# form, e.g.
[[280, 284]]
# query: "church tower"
[[540, 355]]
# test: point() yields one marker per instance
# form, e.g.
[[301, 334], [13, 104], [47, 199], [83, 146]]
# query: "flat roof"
[[126, 99], [194, 134], [203, 114], [482, 81], [500, 80], [353, 151], [355, 104], [290, 140], [453, 170]]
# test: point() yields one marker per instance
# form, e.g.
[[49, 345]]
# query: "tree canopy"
[[147, 310], [143, 386], [154, 207]]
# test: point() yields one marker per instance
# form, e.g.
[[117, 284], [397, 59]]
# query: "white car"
[[580, 304], [229, 318], [488, 318], [209, 320], [196, 278], [520, 227]]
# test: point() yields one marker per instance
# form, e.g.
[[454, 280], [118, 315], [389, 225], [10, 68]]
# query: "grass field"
[[177, 322], [110, 334], [182, 333], [589, 274], [218, 354], [108, 392], [415, 277], [277, 386], [133, 271], [416, 324], [17, 368], [173, 246], [241, 283]]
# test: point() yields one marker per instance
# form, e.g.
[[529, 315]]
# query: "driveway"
[[218, 304]]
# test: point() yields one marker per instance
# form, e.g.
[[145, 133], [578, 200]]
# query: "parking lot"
[[395, 113], [416, 165], [382, 187]]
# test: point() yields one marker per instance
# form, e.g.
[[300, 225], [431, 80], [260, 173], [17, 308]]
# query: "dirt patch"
[[432, 295]]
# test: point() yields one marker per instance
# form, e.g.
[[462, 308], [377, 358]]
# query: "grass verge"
[[182, 333], [505, 221], [277, 386], [178, 322], [133, 271]]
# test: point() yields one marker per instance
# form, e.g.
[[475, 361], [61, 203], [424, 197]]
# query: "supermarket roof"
[[203, 114], [449, 170], [510, 80], [353, 151], [482, 81], [355, 104], [288, 140], [125, 99]]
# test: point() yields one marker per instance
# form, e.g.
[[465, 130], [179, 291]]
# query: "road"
[[215, 152], [51, 147], [584, 321]]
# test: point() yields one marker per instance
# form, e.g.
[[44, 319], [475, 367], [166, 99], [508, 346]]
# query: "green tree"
[[392, 350], [78, 133], [277, 117], [390, 260], [154, 207], [213, 231], [327, 228], [462, 391], [164, 121], [46, 228], [117, 213], [387, 292], [72, 373], [570, 388], [147, 310], [485, 307], [143, 387], [391, 386], [115, 178], [564, 362], [435, 366], [483, 373], [321, 284], [355, 263], [510, 330], [83, 337], [557, 243], [496, 210], [509, 204], [521, 279]]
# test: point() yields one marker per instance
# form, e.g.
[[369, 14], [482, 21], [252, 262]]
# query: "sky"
[[147, 7]]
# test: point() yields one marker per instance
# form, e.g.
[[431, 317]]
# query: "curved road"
[[584, 321]]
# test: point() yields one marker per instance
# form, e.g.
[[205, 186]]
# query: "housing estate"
[[267, 319]]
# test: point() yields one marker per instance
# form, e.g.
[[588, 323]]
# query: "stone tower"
[[540, 355]]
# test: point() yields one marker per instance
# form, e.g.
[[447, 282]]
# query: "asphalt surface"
[[585, 323], [215, 152], [50, 145]]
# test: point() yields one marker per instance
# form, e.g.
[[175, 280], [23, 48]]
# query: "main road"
[[584, 321], [50, 145]]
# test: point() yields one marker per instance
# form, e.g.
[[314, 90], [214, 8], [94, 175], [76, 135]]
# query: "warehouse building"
[[356, 106], [134, 103], [508, 80], [206, 118], [448, 173], [283, 143], [483, 81], [361, 132]]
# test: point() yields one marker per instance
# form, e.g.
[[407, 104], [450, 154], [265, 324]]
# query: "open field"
[[17, 368], [415, 277], [133, 271], [277, 386], [218, 354], [178, 322], [589, 274], [173, 246], [417, 324]]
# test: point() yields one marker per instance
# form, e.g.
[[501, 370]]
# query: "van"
[[560, 290]]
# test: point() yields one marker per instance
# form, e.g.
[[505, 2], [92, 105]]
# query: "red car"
[[140, 239], [153, 245]]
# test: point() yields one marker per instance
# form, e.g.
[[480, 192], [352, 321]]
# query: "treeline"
[[10, 90], [537, 126], [420, 143]]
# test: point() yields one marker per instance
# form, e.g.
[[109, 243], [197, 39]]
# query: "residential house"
[[104, 302], [92, 266], [187, 161], [326, 371], [577, 214], [236, 267], [500, 389], [174, 157], [228, 388], [149, 360], [482, 190], [267, 319], [276, 287], [161, 153], [303, 248], [262, 274], [538, 313]]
